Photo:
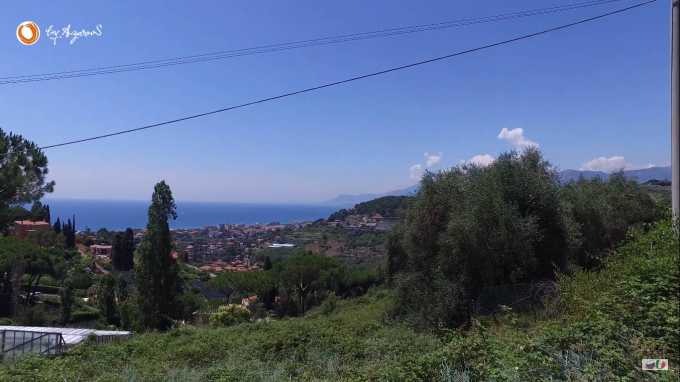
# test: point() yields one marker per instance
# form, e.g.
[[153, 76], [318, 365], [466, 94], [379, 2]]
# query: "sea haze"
[[119, 214]]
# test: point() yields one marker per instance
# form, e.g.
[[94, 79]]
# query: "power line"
[[226, 54], [364, 76]]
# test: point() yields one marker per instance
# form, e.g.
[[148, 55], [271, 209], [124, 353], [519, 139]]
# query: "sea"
[[119, 214]]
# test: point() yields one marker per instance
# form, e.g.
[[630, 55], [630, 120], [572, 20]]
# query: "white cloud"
[[416, 171], [432, 159], [481, 160], [605, 164], [516, 138]]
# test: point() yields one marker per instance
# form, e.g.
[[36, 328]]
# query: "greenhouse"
[[18, 340]]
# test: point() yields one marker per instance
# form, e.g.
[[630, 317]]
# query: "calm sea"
[[118, 215]]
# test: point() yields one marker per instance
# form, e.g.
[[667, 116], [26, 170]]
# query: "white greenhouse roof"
[[71, 336]]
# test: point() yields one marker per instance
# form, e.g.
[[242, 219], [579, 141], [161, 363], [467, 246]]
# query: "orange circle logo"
[[28, 33]]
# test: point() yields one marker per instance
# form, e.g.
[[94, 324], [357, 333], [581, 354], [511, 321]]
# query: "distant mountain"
[[641, 176], [346, 200]]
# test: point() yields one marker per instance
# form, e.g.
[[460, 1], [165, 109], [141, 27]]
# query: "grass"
[[597, 327]]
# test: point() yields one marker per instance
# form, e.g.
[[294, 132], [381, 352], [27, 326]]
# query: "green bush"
[[228, 315], [85, 313], [471, 228], [603, 211]]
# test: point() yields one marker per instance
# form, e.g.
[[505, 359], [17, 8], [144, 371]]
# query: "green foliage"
[[57, 226], [106, 299], [80, 279], [227, 315], [157, 274], [306, 274], [188, 303], [605, 322], [68, 229], [603, 212], [47, 239], [388, 206], [85, 313], [232, 283], [122, 257], [66, 300], [40, 212], [329, 304], [471, 228], [267, 263], [23, 168], [12, 253]]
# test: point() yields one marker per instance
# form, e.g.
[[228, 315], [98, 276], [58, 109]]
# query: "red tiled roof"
[[28, 222]]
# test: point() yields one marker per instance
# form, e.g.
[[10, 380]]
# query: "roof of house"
[[32, 223]]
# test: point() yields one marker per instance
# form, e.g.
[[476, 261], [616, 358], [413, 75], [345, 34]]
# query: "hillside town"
[[240, 247]]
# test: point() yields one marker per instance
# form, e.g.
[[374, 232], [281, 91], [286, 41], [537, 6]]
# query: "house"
[[101, 250], [22, 228]]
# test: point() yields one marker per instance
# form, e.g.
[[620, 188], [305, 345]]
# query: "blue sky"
[[596, 91]]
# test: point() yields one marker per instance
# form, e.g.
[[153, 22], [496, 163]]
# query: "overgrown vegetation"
[[296, 283], [597, 326], [474, 230]]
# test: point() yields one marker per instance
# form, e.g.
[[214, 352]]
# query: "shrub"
[[470, 228], [329, 304], [603, 211], [228, 315]]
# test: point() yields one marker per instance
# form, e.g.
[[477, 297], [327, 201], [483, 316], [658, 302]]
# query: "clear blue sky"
[[598, 90]]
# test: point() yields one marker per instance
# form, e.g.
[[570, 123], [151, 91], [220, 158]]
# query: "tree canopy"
[[23, 169]]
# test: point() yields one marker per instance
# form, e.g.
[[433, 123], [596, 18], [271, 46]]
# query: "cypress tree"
[[157, 272], [128, 262], [69, 231], [123, 250], [106, 299], [57, 226], [117, 252]]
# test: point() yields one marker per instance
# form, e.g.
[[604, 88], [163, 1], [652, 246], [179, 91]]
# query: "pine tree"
[[157, 272]]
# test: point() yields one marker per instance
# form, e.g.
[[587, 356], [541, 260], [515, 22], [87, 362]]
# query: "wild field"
[[598, 327]]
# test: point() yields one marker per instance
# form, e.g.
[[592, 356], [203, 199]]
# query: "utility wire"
[[330, 84], [226, 54]]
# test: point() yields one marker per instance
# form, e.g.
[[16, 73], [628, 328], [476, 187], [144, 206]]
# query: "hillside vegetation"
[[389, 206], [599, 325]]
